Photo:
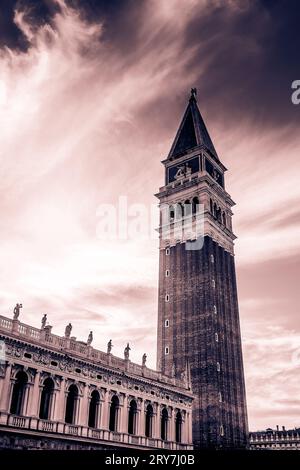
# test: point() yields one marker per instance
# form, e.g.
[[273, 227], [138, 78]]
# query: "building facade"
[[198, 316], [279, 439], [60, 393]]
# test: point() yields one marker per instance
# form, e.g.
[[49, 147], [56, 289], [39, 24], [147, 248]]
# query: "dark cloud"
[[250, 55], [245, 53], [35, 13]]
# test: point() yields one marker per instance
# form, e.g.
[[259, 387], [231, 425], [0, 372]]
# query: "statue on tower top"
[[17, 311]]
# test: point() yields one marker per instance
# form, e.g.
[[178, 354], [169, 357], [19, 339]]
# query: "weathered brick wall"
[[191, 336]]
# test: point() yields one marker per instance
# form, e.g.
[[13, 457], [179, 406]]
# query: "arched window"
[[179, 211], [164, 424], [132, 415], [149, 420], [46, 399], [178, 427], [211, 206], [187, 208], [113, 413], [18, 394], [195, 205], [71, 405], [94, 409], [171, 213]]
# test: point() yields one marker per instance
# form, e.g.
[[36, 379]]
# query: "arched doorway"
[[132, 415], [18, 393], [113, 413], [148, 421], [46, 399], [164, 424], [178, 427], [94, 410], [72, 404]]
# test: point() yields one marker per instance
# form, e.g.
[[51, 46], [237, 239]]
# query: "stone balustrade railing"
[[99, 435], [79, 348]]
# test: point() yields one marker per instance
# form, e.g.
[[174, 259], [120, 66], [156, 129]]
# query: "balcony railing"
[[101, 435]]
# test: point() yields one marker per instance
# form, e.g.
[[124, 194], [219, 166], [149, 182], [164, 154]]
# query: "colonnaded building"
[[57, 392]]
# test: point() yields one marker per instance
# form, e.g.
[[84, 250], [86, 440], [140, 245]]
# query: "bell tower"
[[198, 316]]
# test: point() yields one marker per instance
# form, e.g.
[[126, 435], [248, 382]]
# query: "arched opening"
[[164, 424], [113, 413], [195, 205], [148, 422], [94, 409], [46, 398], [132, 415], [178, 427], [179, 211], [18, 393], [211, 206], [171, 213], [187, 208], [215, 210], [72, 404]]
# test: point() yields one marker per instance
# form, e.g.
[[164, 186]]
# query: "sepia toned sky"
[[91, 95]]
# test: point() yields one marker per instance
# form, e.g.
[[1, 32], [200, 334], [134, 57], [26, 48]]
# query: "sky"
[[91, 96]]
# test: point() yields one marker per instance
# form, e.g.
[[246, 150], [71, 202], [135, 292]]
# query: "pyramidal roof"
[[192, 131]]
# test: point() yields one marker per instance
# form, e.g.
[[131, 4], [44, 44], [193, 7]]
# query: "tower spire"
[[192, 132]]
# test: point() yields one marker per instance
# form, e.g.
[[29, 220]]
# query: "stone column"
[[156, 422], [104, 417], [5, 390], [122, 414], [34, 396], [84, 407], [171, 425], [188, 425], [25, 406], [60, 400], [141, 419]]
